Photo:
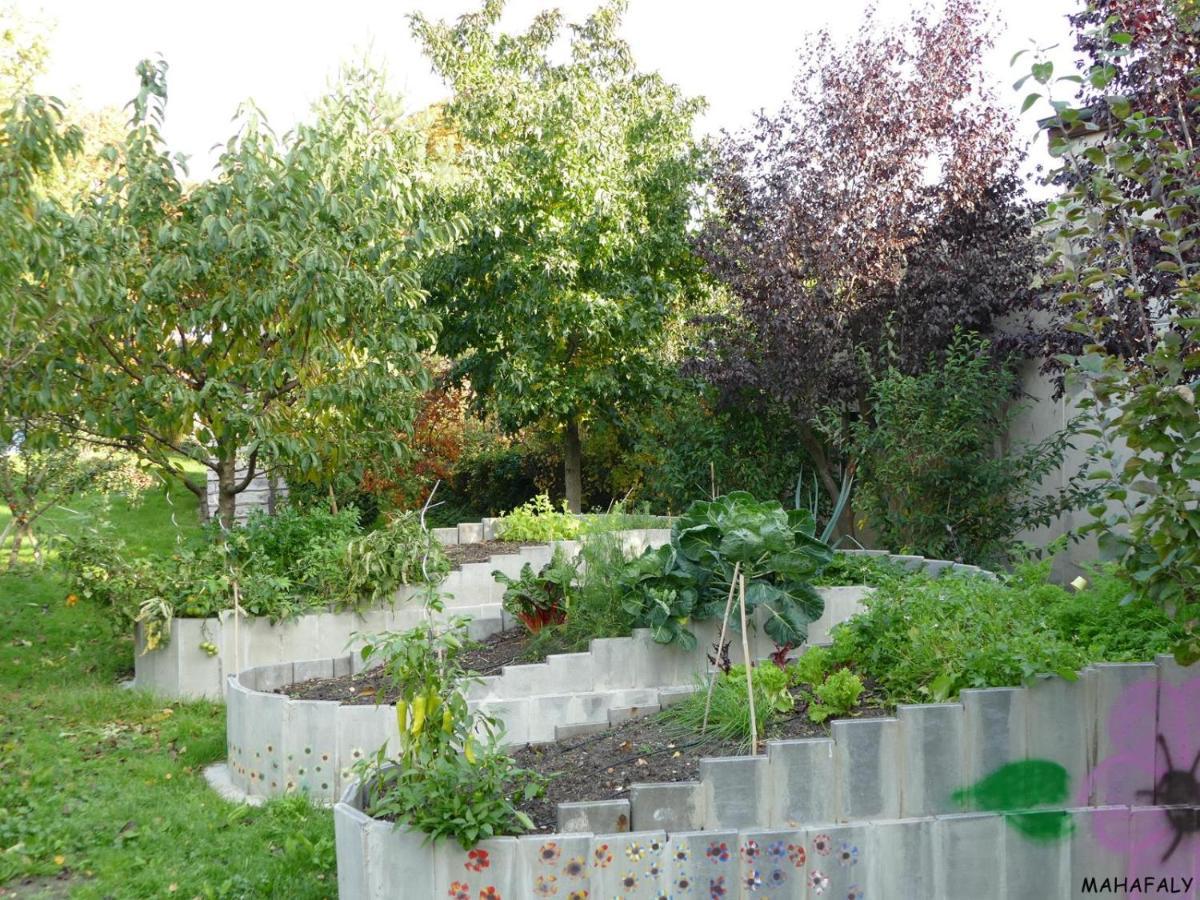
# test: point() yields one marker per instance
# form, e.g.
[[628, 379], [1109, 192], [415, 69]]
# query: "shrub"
[[539, 600], [925, 639], [930, 480], [400, 552], [691, 576], [537, 520]]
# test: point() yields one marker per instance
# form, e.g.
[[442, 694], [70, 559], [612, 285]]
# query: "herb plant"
[[537, 520]]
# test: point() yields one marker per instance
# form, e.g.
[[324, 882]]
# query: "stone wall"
[[265, 492]]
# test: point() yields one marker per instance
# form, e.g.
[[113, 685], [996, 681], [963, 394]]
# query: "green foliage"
[[288, 284], [578, 178], [450, 778], [539, 600], [690, 577], [594, 610], [848, 568], [811, 667], [837, 695], [398, 552], [1121, 244], [924, 639], [537, 520], [729, 713], [282, 566], [930, 479]]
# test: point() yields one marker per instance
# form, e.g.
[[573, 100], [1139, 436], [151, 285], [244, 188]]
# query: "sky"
[[741, 55]]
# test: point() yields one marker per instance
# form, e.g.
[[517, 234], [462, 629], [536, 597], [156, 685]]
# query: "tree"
[[879, 206], [577, 180], [262, 314]]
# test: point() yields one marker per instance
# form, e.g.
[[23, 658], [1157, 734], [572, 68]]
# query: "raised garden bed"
[[936, 802], [183, 668]]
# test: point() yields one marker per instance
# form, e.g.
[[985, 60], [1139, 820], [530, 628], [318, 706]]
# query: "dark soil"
[[603, 766], [483, 551], [373, 686]]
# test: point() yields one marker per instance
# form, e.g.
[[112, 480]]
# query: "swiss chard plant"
[[690, 578], [539, 599]]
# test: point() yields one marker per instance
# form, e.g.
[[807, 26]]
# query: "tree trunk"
[[226, 494], [573, 466], [18, 538]]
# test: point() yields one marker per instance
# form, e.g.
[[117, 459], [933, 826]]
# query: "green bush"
[[399, 552], [930, 480], [537, 520], [924, 639]]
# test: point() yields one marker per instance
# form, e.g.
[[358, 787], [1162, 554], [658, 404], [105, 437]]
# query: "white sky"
[[739, 54]]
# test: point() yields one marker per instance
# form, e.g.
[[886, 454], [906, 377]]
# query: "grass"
[[101, 791]]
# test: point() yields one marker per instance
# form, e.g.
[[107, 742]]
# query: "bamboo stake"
[[749, 666], [712, 676]]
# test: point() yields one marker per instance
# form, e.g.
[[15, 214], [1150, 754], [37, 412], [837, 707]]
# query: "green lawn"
[[101, 792]]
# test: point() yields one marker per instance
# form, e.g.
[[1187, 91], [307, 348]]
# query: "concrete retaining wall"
[[182, 669], [937, 802], [568, 694]]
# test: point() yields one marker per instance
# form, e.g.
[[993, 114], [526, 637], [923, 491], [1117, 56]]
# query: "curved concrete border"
[[182, 669], [870, 811]]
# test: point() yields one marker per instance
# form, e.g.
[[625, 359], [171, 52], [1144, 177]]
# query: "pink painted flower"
[[822, 844], [798, 855], [1153, 732]]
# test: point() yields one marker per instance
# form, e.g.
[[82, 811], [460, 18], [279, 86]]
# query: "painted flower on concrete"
[[856, 893], [797, 855], [602, 856], [777, 878], [682, 854], [477, 860], [629, 881], [716, 887], [753, 881], [818, 882], [459, 890], [635, 851], [718, 851], [545, 885], [777, 850], [490, 893], [578, 895], [847, 855], [750, 851], [683, 883], [822, 844], [1153, 730], [574, 867], [549, 853]]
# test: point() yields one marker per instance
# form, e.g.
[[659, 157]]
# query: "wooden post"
[[712, 676]]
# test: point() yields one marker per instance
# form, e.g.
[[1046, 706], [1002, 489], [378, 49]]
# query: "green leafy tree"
[[262, 315], [577, 179]]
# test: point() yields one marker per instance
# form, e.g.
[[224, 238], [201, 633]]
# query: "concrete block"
[[662, 665], [595, 816], [448, 537], [1178, 723], [840, 858], [555, 864], [703, 864], [156, 670], [361, 730], [619, 714], [310, 740], [1163, 844], [274, 676], [470, 532], [614, 663], [902, 859], [1058, 720], [512, 716], [300, 639], [803, 783], [483, 626], [262, 725], [485, 687], [341, 666], [966, 858], [671, 807], [582, 729], [528, 681], [768, 860], [508, 563], [867, 754], [733, 787], [492, 863], [637, 866], [398, 863], [931, 737], [995, 731], [335, 633], [1037, 868], [908, 561], [199, 673], [669, 696], [1124, 742], [306, 670], [537, 555], [488, 523], [544, 712], [574, 672], [350, 838], [1099, 846]]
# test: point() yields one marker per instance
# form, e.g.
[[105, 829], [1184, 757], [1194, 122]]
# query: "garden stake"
[[712, 676], [749, 667]]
